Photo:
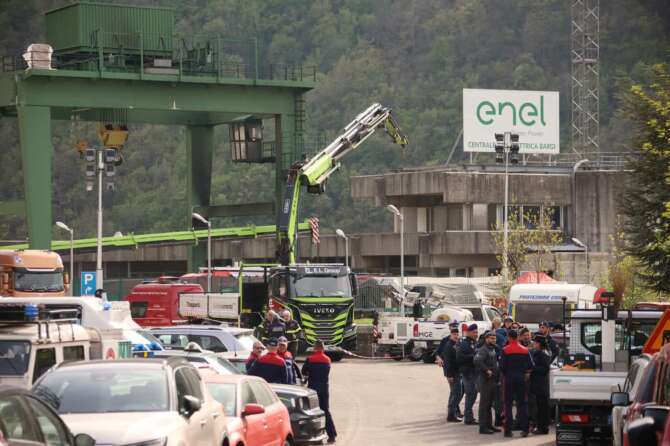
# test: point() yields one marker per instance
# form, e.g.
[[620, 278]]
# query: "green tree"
[[646, 200]]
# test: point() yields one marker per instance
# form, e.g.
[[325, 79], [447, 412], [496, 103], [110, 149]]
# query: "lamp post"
[[202, 219], [394, 210], [586, 254], [65, 227], [340, 233], [506, 144]]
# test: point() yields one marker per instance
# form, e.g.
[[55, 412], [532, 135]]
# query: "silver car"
[[631, 386], [153, 402], [229, 342]]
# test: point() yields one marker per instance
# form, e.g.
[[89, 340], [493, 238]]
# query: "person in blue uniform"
[[282, 351], [446, 354], [539, 383], [516, 366], [552, 346], [271, 367], [317, 371], [465, 355]]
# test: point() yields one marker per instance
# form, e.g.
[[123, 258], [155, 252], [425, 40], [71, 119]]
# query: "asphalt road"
[[401, 403]]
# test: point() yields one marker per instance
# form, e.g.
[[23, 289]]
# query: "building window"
[[529, 215]]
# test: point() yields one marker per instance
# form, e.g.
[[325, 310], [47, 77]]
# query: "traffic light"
[[500, 147], [514, 148]]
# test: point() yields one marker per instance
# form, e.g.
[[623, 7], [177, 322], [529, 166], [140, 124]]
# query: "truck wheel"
[[417, 353], [335, 356], [429, 358]]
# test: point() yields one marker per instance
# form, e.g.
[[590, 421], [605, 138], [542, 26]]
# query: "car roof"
[[288, 389], [135, 362], [8, 390], [220, 328], [228, 379]]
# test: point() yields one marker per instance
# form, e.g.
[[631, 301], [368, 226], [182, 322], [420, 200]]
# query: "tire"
[[417, 353], [335, 356], [429, 358]]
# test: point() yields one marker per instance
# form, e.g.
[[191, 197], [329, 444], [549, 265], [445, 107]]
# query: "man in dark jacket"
[[539, 383], [446, 357], [465, 355], [545, 330], [515, 365], [486, 365], [255, 354], [317, 371], [271, 367], [293, 332]]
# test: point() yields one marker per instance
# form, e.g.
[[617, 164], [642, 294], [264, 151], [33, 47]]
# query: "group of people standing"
[[507, 367], [280, 336]]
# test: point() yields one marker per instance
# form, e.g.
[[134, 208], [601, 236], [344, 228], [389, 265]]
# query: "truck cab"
[[32, 340], [321, 299], [32, 273]]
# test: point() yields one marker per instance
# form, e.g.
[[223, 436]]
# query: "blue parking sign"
[[88, 281]]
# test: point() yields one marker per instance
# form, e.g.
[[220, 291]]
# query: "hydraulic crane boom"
[[314, 172]]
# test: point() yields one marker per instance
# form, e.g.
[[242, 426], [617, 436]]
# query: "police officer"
[[545, 330], [317, 370], [515, 365], [486, 365], [539, 383], [293, 332], [465, 355], [446, 358], [270, 366]]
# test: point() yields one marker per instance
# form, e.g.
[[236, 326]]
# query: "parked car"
[[25, 419], [308, 421], [631, 388], [153, 402], [254, 413], [200, 358], [229, 342]]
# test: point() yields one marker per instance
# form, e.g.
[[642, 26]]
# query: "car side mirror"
[[642, 432], [253, 409], [83, 440], [191, 405], [620, 399]]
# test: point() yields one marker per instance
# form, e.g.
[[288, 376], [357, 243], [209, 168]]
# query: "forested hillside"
[[413, 55]]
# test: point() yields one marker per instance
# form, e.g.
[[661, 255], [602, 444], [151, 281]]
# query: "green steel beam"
[[14, 208], [199, 151], [36, 154], [133, 241], [171, 117]]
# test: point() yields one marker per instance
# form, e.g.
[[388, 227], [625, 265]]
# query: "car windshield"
[[14, 357], [41, 281], [246, 340], [537, 312], [476, 313], [226, 394], [105, 389], [320, 286]]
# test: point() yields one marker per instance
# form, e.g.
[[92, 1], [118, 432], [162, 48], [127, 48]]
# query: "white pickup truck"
[[418, 339], [581, 391]]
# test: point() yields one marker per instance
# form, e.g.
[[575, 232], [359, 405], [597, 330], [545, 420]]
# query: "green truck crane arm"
[[314, 172]]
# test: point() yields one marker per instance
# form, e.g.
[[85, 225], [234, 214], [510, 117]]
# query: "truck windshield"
[[537, 312], [41, 281], [321, 286], [14, 357]]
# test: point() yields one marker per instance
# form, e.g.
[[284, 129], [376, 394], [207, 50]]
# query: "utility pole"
[[507, 150]]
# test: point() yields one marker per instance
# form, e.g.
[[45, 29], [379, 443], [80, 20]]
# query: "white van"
[[532, 303]]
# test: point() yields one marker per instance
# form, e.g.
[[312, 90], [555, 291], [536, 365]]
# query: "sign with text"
[[88, 281], [533, 115]]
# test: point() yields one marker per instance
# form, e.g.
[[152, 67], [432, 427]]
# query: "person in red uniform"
[[271, 367], [516, 366], [317, 370], [282, 351], [255, 354]]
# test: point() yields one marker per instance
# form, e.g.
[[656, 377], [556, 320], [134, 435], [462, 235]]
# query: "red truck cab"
[[156, 304]]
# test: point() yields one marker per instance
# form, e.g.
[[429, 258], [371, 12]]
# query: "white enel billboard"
[[532, 114]]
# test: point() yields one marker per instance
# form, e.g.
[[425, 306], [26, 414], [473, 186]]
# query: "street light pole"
[[586, 256], [506, 143], [340, 233], [65, 227], [505, 219], [99, 282], [394, 210], [202, 219]]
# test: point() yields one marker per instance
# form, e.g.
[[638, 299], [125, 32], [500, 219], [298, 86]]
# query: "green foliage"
[[646, 202], [413, 55]]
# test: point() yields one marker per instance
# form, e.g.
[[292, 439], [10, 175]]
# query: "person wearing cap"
[[317, 370], [515, 365], [446, 358], [486, 364], [293, 332], [270, 366], [282, 351], [465, 355], [539, 383], [545, 330], [256, 352]]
